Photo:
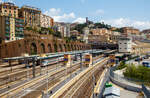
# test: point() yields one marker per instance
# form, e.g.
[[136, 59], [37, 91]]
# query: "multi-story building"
[[101, 31], [8, 9], [74, 33], [46, 21], [64, 28], [125, 44], [146, 31], [31, 16], [86, 33], [130, 30], [11, 28], [98, 39], [114, 36]]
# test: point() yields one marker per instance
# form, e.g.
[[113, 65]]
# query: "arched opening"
[[72, 47], [75, 47], [78, 47], [42, 48], [65, 47], [49, 48], [33, 49], [55, 47], [68, 47], [60, 47]]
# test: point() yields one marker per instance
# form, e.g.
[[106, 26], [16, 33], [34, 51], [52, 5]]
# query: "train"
[[53, 61]]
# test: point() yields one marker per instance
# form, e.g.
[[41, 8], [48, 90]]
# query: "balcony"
[[19, 35], [18, 25], [7, 34], [19, 21], [7, 30]]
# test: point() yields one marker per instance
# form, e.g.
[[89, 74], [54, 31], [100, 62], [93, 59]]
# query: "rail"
[[73, 81], [146, 91]]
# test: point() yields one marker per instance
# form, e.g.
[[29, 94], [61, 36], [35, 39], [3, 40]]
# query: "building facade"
[[46, 21], [86, 33], [31, 16], [11, 28], [130, 30], [62, 27], [99, 31], [125, 45], [98, 39], [9, 9]]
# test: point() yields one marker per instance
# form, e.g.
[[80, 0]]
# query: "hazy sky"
[[115, 12]]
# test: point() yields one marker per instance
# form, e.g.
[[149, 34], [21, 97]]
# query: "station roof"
[[112, 91], [53, 55]]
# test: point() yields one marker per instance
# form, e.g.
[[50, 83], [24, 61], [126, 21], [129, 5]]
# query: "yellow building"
[[9, 9]]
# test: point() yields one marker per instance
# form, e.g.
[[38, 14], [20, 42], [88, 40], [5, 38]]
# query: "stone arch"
[[78, 47], [65, 47], [68, 46], [33, 49], [42, 48], [75, 47], [55, 47], [49, 48], [72, 47], [61, 49]]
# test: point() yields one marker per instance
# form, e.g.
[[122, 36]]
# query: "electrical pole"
[[33, 66]]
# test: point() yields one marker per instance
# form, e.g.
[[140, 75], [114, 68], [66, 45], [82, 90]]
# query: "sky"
[[118, 13]]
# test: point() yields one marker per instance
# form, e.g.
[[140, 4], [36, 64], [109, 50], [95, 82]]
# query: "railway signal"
[[112, 60], [67, 59], [88, 59]]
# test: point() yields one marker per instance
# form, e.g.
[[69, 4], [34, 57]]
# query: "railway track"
[[8, 79], [39, 82], [80, 87], [31, 83], [16, 77]]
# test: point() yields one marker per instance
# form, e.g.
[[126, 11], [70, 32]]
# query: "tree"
[[51, 31], [57, 34], [80, 27]]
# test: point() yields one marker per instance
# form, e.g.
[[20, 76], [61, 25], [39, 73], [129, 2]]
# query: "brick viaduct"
[[33, 45]]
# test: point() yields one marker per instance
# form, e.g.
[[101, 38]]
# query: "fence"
[[124, 82], [146, 91], [106, 78], [128, 83]]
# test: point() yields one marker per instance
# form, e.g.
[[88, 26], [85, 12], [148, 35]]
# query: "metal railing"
[[146, 91], [127, 80]]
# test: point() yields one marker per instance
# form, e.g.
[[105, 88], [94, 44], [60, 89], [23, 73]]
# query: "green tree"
[[57, 34]]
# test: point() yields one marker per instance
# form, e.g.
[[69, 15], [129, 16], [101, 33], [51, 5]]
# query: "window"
[[4, 6]]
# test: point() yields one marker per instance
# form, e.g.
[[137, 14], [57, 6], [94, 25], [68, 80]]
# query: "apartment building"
[[8, 9], [64, 28], [130, 31], [31, 16], [125, 44], [11, 28], [46, 21]]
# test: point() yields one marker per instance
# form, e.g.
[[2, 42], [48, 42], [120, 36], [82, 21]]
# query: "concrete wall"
[[125, 86]]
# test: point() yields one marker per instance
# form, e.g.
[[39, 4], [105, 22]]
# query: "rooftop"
[[31, 7]]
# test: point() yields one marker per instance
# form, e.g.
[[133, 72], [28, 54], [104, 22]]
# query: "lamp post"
[[47, 77]]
